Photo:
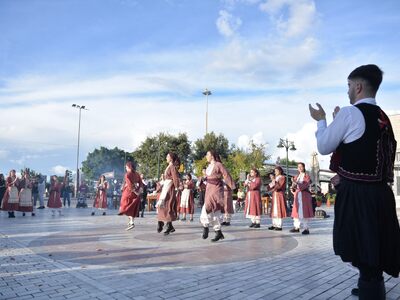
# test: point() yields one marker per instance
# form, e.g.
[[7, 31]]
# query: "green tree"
[[291, 163], [105, 160], [153, 150], [240, 160], [211, 142]]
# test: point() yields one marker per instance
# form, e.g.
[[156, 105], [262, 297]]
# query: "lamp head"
[[280, 145], [292, 147], [73, 105]]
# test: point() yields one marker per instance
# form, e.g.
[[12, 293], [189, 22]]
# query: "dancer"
[[25, 195], [253, 198], [214, 196], [278, 208], [54, 202], [10, 201], [143, 196], [366, 229], [100, 202], [187, 198], [302, 207], [227, 210], [201, 188], [166, 204], [130, 199]]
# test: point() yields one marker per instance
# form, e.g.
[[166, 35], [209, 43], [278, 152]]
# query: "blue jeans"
[[66, 197]]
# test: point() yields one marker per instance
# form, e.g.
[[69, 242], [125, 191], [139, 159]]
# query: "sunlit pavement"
[[79, 256]]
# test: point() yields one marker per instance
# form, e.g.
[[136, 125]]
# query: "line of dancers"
[[217, 185]]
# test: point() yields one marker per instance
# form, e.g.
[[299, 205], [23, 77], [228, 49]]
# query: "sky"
[[140, 68]]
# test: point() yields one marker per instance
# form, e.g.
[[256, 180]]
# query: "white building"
[[395, 120]]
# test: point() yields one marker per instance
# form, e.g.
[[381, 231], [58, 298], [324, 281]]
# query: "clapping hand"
[[317, 114]]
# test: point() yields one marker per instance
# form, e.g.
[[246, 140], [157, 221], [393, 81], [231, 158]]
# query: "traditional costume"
[[214, 198], [253, 202], [278, 208], [302, 206], [25, 196], [10, 201], [187, 199], [227, 210], [54, 201], [100, 202], [130, 199]]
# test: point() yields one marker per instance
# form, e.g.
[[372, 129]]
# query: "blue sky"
[[140, 68]]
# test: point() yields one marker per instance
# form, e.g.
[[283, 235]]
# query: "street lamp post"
[[288, 145], [207, 93], [80, 107]]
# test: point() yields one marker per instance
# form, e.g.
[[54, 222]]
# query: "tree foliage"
[[211, 142], [240, 160], [152, 152], [105, 160]]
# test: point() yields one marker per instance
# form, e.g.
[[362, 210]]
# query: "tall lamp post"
[[207, 93], [288, 145], [80, 107]]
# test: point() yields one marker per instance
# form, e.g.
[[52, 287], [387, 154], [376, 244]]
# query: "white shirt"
[[346, 127]]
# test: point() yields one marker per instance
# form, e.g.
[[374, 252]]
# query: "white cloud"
[[244, 140], [59, 170], [297, 21], [227, 24]]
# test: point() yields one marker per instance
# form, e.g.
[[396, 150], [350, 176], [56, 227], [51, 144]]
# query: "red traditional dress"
[[11, 198], [167, 210], [253, 200], [278, 208], [227, 209], [214, 196], [130, 199], [25, 196], [187, 198], [302, 205], [101, 196], [55, 196]]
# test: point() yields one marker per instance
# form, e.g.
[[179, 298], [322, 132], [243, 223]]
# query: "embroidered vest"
[[371, 157]]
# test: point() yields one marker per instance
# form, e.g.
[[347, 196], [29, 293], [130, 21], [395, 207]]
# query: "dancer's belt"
[[214, 181]]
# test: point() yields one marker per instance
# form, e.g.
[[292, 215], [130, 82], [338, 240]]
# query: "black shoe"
[[271, 227], [160, 226], [104, 213], [306, 231], [205, 233], [371, 289], [12, 215], [92, 213], [227, 223], [23, 214], [191, 220], [354, 292], [218, 236], [142, 216], [293, 230], [33, 214], [278, 229], [223, 223], [183, 219], [252, 225], [40, 207], [170, 228], [257, 226], [9, 214]]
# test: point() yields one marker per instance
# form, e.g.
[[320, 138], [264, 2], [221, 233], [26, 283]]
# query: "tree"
[[153, 150], [211, 142], [291, 163], [240, 160], [106, 160]]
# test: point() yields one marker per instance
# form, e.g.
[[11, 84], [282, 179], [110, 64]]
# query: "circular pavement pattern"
[[105, 244]]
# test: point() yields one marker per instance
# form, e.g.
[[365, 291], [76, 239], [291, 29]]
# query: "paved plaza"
[[79, 256]]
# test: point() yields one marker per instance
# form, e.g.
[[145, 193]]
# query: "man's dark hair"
[[370, 73]]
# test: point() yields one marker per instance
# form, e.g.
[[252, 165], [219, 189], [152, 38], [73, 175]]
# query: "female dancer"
[[10, 199], [25, 195], [253, 198], [278, 209], [302, 206], [214, 196], [166, 204], [130, 199], [187, 199], [100, 202], [55, 196]]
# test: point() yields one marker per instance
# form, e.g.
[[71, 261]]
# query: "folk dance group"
[[174, 197], [20, 194]]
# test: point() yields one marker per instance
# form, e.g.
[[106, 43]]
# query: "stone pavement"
[[78, 256]]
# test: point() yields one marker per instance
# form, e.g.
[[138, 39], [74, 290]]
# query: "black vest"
[[371, 157]]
